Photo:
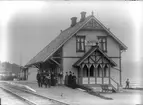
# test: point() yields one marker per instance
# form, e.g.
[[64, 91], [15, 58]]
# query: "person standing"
[[49, 79], [46, 79], [52, 79], [66, 79], [127, 84], [70, 79], [60, 77], [38, 79], [73, 81]]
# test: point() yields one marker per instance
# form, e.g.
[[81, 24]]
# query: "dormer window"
[[103, 43], [80, 43]]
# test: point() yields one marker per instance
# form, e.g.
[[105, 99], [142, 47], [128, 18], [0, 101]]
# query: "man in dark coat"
[[70, 79], [73, 81], [42, 78], [52, 79], [38, 77]]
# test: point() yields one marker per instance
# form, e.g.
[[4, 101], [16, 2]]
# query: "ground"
[[78, 97]]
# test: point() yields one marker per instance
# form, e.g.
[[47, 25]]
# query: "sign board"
[[92, 80], [85, 80], [91, 42]]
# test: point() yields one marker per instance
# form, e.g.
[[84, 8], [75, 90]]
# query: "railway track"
[[8, 99], [30, 97]]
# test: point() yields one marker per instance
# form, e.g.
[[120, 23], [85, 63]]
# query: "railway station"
[[86, 48]]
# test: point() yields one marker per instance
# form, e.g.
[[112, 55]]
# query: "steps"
[[91, 91]]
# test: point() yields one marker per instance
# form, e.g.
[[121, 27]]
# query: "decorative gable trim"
[[92, 24]]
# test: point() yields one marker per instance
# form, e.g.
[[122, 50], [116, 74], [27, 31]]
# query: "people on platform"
[[49, 78], [127, 84], [70, 80], [66, 79]]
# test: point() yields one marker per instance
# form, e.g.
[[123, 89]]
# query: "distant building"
[[88, 49], [8, 69]]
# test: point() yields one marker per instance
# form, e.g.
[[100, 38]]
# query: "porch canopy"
[[96, 57]]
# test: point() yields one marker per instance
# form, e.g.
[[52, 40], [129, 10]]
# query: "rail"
[[31, 97], [114, 84]]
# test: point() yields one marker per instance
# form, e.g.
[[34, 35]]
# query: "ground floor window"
[[92, 71], [99, 71], [106, 72], [85, 71]]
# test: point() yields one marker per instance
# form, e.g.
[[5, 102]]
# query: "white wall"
[[68, 62], [32, 72], [112, 47], [69, 50]]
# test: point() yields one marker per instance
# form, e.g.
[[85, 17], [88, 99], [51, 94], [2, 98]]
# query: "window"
[[103, 42], [92, 71], [80, 43], [99, 71], [106, 72], [85, 71]]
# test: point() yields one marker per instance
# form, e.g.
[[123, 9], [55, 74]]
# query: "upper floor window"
[[80, 43], [103, 42]]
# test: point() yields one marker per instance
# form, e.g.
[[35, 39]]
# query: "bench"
[[105, 88]]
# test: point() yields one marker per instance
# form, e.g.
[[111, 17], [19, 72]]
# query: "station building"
[[88, 49]]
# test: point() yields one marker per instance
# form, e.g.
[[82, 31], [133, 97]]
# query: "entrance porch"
[[94, 74], [94, 68]]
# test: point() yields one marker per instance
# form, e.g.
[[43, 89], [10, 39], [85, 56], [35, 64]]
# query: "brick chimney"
[[73, 21], [83, 16]]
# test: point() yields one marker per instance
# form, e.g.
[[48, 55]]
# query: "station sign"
[[91, 42]]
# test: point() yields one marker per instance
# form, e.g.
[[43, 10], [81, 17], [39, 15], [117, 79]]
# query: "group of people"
[[46, 78], [70, 80], [49, 79]]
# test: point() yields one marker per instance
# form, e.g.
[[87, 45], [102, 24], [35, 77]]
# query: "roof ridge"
[[67, 29]]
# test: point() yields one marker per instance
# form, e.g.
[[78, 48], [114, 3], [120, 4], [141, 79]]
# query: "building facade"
[[88, 49]]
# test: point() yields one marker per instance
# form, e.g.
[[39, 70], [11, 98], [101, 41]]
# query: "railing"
[[114, 84]]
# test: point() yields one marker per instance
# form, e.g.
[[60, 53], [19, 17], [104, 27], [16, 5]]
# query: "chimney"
[[83, 16], [73, 21]]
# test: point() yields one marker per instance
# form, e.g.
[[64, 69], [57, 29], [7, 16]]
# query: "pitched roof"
[[64, 36], [87, 54], [57, 42]]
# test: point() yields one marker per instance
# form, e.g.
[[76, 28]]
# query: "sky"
[[26, 27]]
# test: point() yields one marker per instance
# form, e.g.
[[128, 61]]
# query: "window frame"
[[80, 43], [102, 42]]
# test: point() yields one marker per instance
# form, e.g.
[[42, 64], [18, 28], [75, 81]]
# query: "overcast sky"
[[27, 27]]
